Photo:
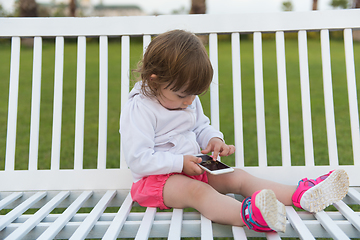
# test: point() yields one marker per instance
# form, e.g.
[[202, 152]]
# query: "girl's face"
[[174, 100]]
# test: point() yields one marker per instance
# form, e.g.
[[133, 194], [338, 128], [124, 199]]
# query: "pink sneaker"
[[314, 195], [262, 212]]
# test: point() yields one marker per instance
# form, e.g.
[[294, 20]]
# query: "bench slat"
[[38, 216], [283, 99], [9, 199], [58, 98], [103, 102], [298, 224], [35, 104], [305, 98], [237, 100], [119, 220], [348, 213], [176, 224], [80, 103], [94, 215], [328, 98], [354, 195], [333, 229], [272, 236], [125, 85], [214, 87], [206, 228], [146, 41], [146, 224], [353, 104], [61, 221], [13, 104], [259, 99], [16, 212], [239, 233]]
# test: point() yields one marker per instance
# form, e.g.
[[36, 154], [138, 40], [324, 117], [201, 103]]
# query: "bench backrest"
[[48, 172]]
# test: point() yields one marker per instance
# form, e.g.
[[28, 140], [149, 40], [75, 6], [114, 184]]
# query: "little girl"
[[163, 127]]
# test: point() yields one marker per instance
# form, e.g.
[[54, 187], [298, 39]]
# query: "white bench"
[[28, 196]]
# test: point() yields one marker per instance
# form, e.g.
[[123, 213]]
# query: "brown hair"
[[179, 60]]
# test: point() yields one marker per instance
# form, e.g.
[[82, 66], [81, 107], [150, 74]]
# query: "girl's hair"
[[179, 60]]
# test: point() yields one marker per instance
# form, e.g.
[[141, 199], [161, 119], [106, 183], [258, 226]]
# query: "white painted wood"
[[298, 224], [328, 98], [146, 42], [214, 87], [80, 103], [57, 110], [119, 220], [86, 226], [13, 104], [237, 101], [125, 82], [239, 233], [176, 224], [345, 210], [127, 224], [305, 98], [333, 229], [353, 104], [354, 195], [259, 99], [283, 99], [146, 224], [272, 236], [38, 216], [61, 221], [103, 102], [35, 104], [11, 216], [139, 25], [206, 228], [87, 179], [9, 199]]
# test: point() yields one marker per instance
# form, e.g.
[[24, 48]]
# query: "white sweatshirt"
[[154, 139]]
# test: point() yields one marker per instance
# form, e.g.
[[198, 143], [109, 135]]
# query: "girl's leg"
[[241, 182], [181, 192]]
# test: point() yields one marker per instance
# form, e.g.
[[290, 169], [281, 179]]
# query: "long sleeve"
[[137, 128]]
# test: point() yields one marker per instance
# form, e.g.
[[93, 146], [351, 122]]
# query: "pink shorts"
[[148, 191]]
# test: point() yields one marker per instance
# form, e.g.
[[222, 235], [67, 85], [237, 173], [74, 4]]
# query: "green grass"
[[226, 106]]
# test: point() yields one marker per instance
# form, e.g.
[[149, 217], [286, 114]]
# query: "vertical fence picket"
[[238, 122], [305, 98], [13, 104], [35, 104], [103, 102], [58, 98], [259, 99], [80, 103]]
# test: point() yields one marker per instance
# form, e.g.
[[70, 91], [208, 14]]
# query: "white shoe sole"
[[271, 209], [332, 189]]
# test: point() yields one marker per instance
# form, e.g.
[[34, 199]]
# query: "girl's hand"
[[217, 146], [191, 166]]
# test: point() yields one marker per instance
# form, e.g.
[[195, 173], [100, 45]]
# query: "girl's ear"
[[152, 77]]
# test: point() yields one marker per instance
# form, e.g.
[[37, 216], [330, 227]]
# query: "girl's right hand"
[[191, 166]]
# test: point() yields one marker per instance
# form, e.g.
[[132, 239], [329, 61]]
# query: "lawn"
[[226, 108], [226, 105]]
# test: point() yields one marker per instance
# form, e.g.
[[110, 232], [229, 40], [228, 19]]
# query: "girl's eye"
[[181, 96]]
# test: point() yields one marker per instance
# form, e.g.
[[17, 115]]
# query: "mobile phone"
[[213, 167]]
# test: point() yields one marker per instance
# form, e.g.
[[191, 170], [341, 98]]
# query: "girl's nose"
[[189, 100]]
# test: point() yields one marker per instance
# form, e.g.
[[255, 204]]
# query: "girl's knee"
[[181, 191]]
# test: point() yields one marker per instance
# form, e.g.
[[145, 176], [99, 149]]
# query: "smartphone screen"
[[210, 164]]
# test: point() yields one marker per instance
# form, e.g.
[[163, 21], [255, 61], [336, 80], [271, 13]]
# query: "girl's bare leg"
[[181, 192], [241, 182]]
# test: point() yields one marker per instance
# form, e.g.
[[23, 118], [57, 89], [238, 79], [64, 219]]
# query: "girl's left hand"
[[218, 147]]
